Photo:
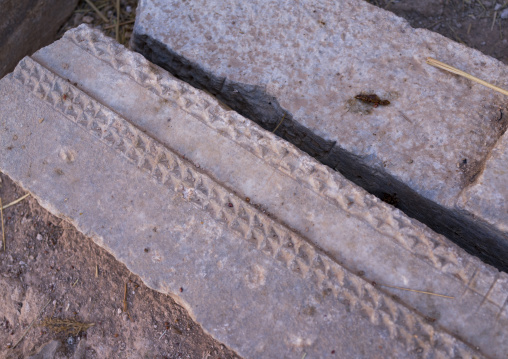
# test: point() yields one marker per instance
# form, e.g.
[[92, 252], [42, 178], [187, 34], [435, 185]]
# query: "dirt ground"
[[51, 272], [48, 261], [105, 17]]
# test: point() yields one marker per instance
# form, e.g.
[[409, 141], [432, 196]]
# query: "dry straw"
[[101, 15], [16, 201], [66, 326], [456, 71], [417, 291]]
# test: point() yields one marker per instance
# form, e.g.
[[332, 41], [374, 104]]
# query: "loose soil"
[[48, 261]]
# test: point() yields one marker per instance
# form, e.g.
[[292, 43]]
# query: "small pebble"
[[128, 9], [497, 7], [39, 237], [70, 340], [119, 311], [87, 19], [504, 14]]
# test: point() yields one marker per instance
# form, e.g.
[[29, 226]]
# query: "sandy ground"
[[51, 272]]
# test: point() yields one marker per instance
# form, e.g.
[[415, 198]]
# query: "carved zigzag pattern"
[[275, 151], [257, 229]]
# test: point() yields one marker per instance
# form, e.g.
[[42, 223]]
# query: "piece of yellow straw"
[[452, 69], [16, 201], [417, 291]]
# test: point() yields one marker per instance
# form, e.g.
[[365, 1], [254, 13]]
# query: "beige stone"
[[273, 253]]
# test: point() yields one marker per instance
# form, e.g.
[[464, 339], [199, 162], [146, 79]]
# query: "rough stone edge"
[[266, 235], [267, 146]]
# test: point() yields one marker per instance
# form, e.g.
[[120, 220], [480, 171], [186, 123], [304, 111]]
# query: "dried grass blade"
[[493, 21], [102, 16], [283, 116], [16, 201], [125, 299], [456, 71], [121, 24], [117, 24], [417, 291]]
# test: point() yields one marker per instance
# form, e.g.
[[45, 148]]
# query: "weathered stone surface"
[[425, 152], [27, 25], [159, 173]]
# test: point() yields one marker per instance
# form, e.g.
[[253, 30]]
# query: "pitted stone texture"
[[306, 62], [358, 230], [27, 25]]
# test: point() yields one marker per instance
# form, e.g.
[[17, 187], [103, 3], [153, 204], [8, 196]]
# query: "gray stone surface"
[[275, 254], [426, 151], [28, 25]]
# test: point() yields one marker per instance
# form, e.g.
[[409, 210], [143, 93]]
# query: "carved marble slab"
[[271, 252], [425, 152]]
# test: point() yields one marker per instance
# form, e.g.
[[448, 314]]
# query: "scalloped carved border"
[[277, 153], [273, 239]]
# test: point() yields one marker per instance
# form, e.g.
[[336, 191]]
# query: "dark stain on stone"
[[326, 292], [310, 311], [372, 99]]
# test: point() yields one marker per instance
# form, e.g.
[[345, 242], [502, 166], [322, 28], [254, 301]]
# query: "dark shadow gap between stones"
[[252, 102]]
